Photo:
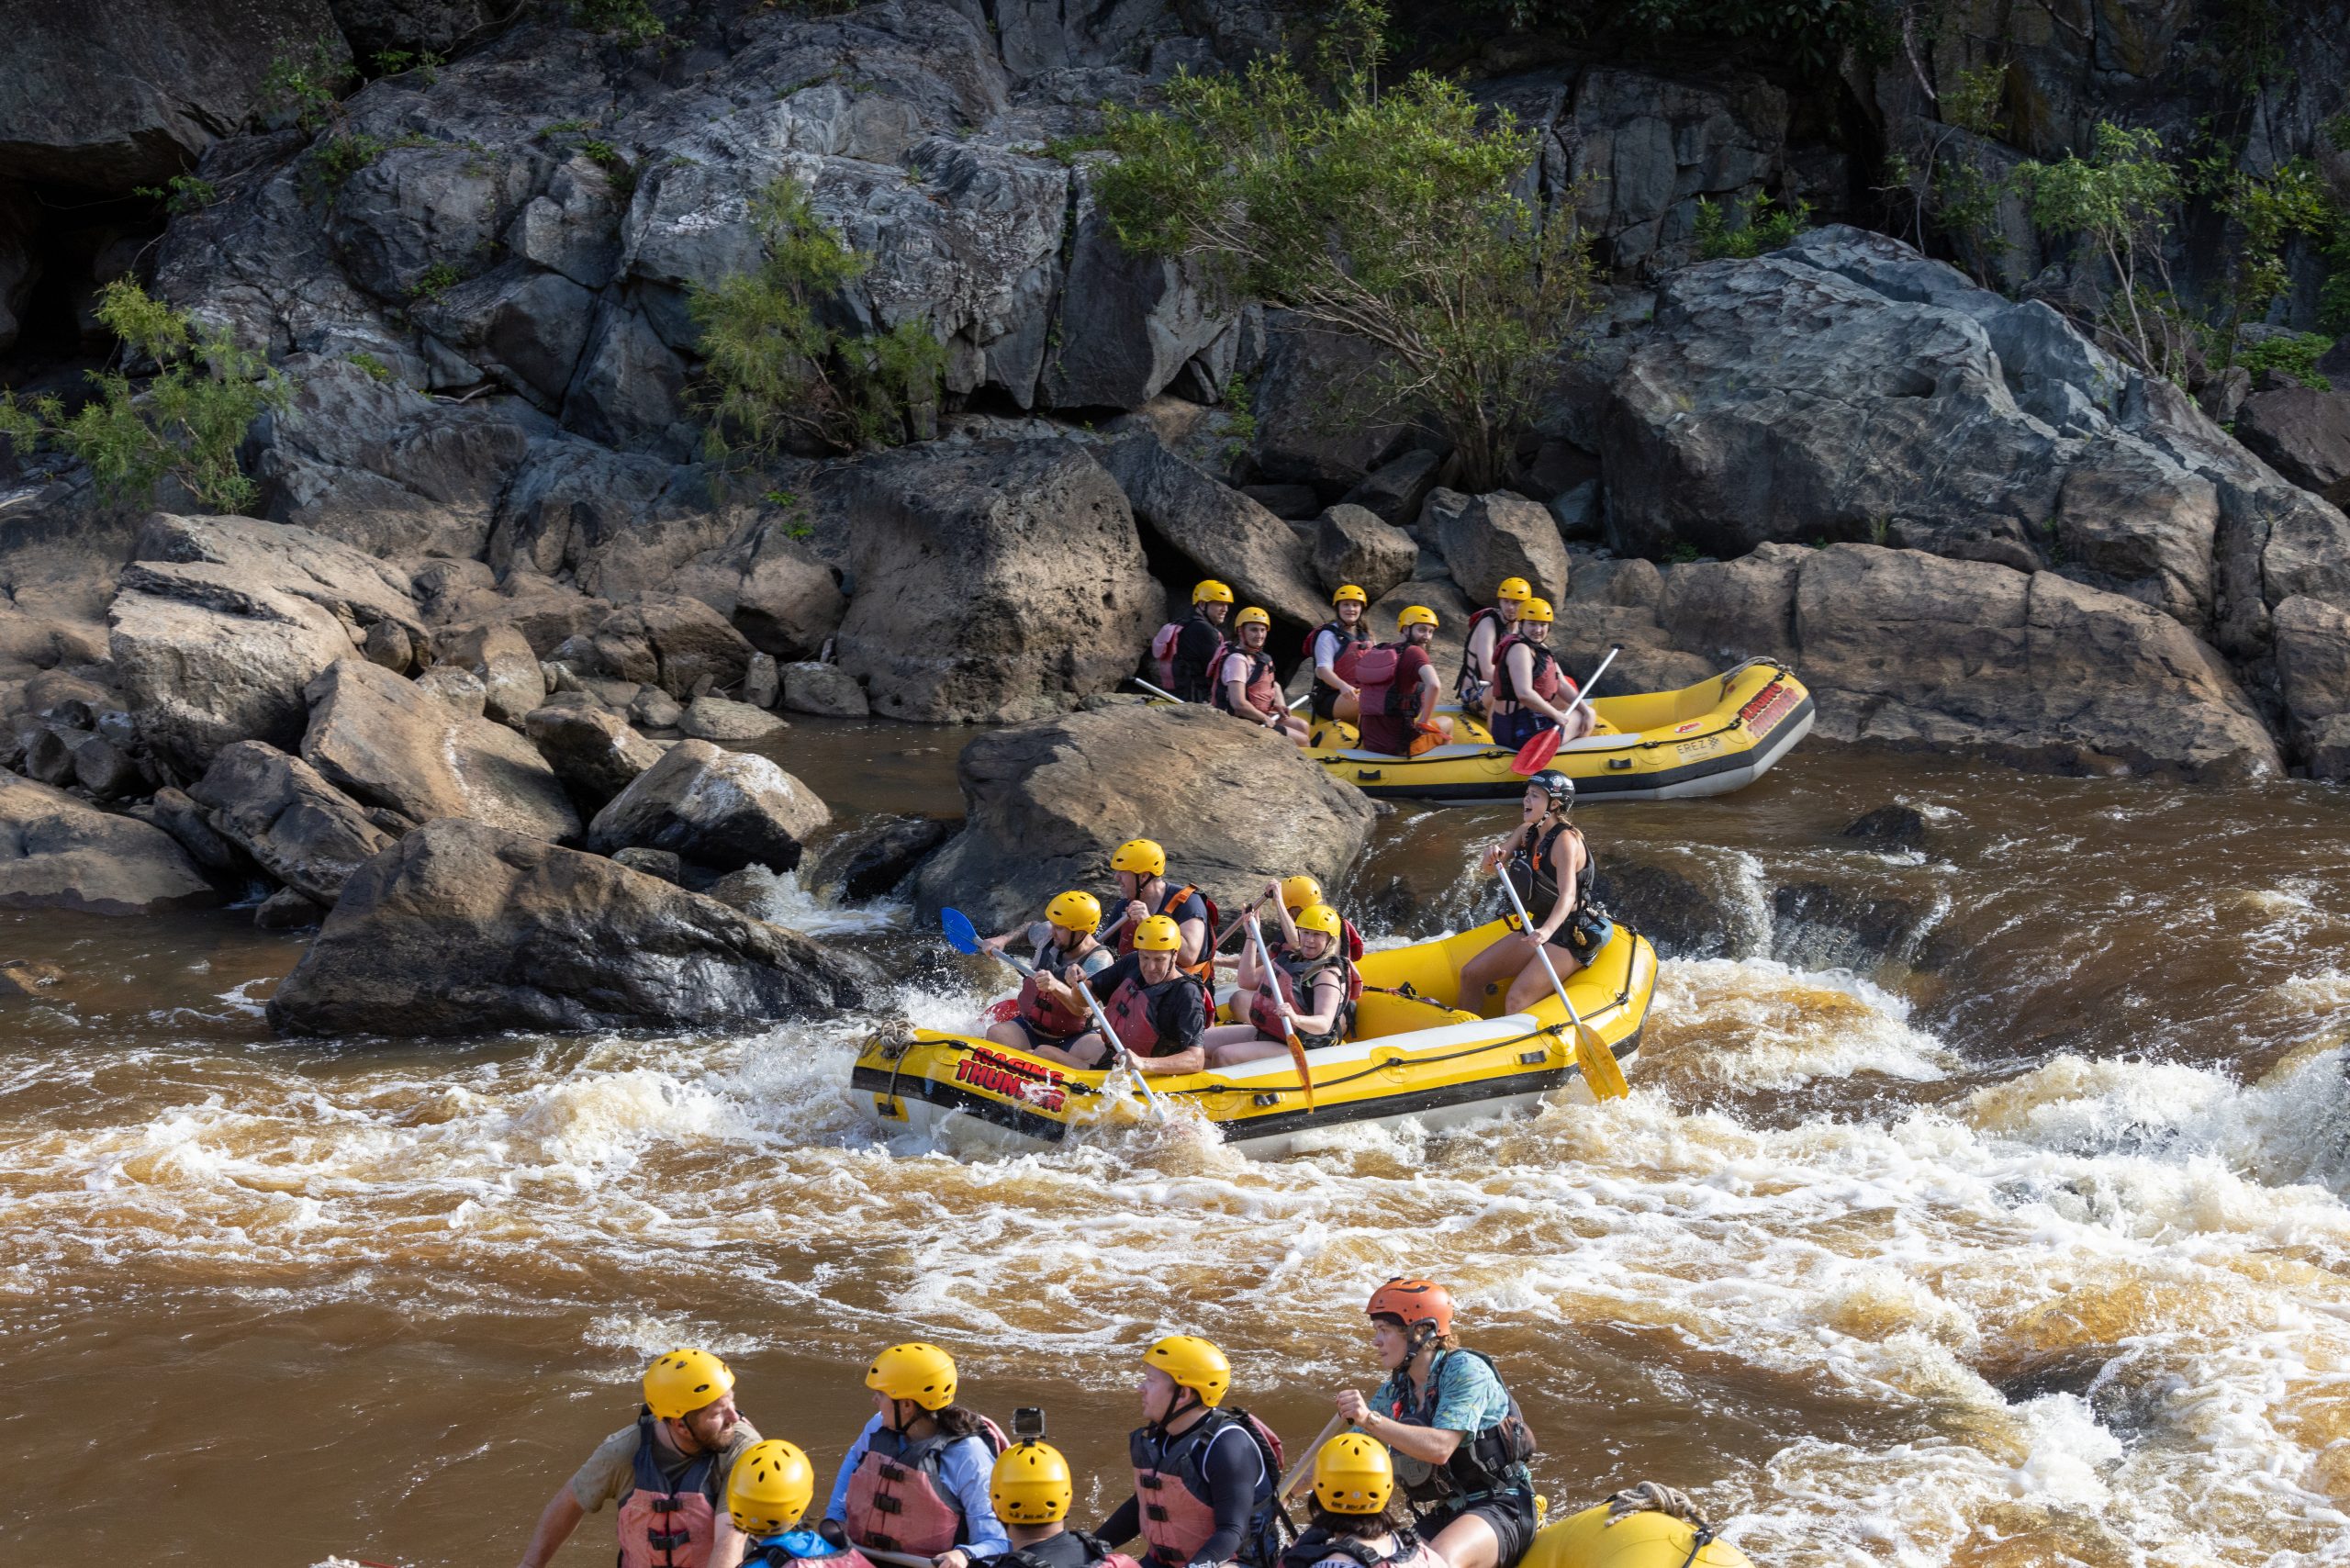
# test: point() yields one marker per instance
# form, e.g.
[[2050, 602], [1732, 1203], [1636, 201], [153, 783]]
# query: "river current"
[[2016, 1237]]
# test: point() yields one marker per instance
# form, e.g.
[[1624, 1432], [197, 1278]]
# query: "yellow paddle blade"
[[1297, 1055], [1599, 1066]]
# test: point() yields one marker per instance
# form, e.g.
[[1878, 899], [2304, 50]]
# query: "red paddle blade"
[[1536, 754]]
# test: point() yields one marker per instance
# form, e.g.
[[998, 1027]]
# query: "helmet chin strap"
[[1176, 1407]]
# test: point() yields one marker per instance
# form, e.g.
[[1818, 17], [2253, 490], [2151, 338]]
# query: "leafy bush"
[[375, 369], [304, 85], [180, 194], [1388, 215], [2295, 356], [1760, 228], [776, 373], [2120, 202], [186, 423]]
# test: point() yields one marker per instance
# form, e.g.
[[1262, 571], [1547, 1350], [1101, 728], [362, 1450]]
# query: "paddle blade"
[[1305, 1076], [961, 935], [1536, 754], [1600, 1068]]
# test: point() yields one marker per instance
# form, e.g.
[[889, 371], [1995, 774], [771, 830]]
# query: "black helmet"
[[1555, 784]]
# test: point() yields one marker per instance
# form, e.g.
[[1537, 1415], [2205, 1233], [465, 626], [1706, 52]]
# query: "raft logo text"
[[1012, 1079]]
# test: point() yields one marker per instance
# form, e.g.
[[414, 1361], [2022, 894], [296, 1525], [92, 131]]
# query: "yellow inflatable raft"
[[1708, 739], [1640, 1541], [1412, 1056]]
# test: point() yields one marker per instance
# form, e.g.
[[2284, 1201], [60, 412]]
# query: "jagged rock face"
[[298, 827], [466, 930], [1047, 802]]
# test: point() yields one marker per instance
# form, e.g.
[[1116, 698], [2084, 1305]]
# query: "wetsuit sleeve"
[[1232, 1468], [837, 1510], [1181, 1017], [1122, 1526], [965, 1467]]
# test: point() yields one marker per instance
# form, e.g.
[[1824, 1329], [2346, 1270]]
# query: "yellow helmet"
[[923, 1373], [1300, 891], [1318, 917], [1252, 616], [1075, 911], [1141, 856], [1159, 934], [1194, 1363], [1211, 592], [1514, 591], [1591, 1538], [1030, 1485], [770, 1487], [684, 1381], [1535, 609], [1350, 592], [1415, 615], [1353, 1474]]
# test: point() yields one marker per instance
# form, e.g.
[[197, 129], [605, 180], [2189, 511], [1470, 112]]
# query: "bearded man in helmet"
[[1458, 1441], [669, 1473], [1398, 689], [1203, 1475], [1144, 889]]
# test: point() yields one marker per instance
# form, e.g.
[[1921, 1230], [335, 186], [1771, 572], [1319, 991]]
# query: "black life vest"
[[1192, 677], [1486, 1461], [1537, 883], [1070, 1549], [1318, 1545], [1469, 686]]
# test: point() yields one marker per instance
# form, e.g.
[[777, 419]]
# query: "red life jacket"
[[1263, 686], [1550, 681], [662, 1526], [1128, 1009], [1374, 681], [1171, 1488], [1296, 980], [1350, 644], [895, 1500], [1044, 1014], [1173, 901]]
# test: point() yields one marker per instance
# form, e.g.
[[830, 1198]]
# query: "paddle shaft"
[[1289, 1028], [1582, 694], [1304, 1467], [1586, 1036], [1110, 1039], [1154, 691]]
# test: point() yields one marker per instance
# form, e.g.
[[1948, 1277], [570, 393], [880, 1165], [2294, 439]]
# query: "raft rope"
[[1655, 1498]]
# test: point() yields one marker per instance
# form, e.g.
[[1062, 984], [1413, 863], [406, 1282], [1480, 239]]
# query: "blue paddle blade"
[[961, 935]]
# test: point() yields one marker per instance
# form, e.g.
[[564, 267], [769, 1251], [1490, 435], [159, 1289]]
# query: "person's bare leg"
[[1483, 977], [1226, 1034], [1254, 1048], [1009, 1033], [1468, 1542], [1533, 983], [1084, 1053]]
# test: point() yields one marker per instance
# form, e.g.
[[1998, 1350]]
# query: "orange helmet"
[[1413, 1302]]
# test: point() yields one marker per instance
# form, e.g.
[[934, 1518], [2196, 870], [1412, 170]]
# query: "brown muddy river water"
[[2024, 1244]]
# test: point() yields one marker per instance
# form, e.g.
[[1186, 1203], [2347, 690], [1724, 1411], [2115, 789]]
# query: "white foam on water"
[[781, 901], [1756, 1024]]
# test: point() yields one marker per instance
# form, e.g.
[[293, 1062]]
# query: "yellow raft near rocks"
[[1412, 1057], [1708, 739]]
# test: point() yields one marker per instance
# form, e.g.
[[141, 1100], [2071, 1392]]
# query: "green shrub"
[[180, 194], [305, 84], [2295, 356], [2121, 202], [185, 423], [376, 369], [1760, 228], [776, 374], [436, 280], [628, 22], [1389, 216]]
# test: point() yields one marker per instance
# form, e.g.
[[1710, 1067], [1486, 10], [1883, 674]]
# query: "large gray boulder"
[[468, 930], [386, 741], [1127, 323], [1484, 539], [724, 809], [59, 853], [221, 621], [297, 826], [2313, 677], [1046, 802], [2304, 434], [1308, 403], [1352, 545], [995, 581], [594, 752], [788, 602], [1649, 147], [119, 96], [1218, 531]]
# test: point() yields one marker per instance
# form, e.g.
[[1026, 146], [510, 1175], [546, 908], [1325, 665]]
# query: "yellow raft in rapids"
[[1708, 739], [1412, 1056]]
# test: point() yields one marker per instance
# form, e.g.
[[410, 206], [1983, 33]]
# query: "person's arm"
[[1122, 1524], [1325, 662], [1331, 1001], [726, 1547], [1521, 680], [966, 1472], [556, 1521], [1231, 1467], [1431, 690], [1194, 932]]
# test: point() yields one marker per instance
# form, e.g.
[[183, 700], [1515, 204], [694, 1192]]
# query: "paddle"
[[1598, 1063], [964, 937], [1154, 691], [1536, 754], [1289, 1034], [1304, 1467]]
